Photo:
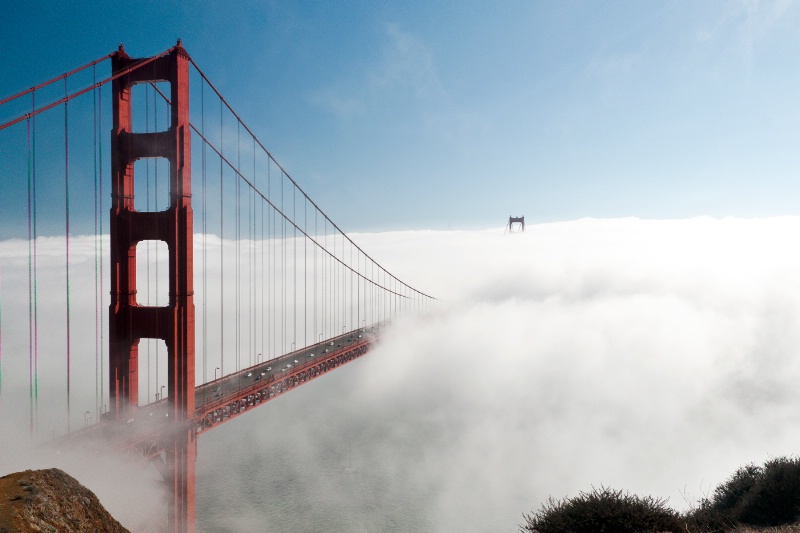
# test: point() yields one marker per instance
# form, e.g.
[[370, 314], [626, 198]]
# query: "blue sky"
[[413, 115]]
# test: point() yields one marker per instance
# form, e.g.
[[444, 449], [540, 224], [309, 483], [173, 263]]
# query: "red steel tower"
[[128, 321]]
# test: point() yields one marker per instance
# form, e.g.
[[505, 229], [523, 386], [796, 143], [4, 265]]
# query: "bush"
[[603, 510], [756, 496], [730, 495], [774, 500], [705, 518], [761, 496]]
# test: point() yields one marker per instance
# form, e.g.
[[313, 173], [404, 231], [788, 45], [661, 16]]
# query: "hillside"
[[51, 500]]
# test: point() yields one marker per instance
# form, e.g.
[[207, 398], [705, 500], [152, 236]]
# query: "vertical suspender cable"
[[270, 259], [283, 273], [345, 317], [35, 388], [237, 272], [316, 236], [66, 205], [205, 231], [100, 197], [351, 289], [294, 248], [97, 288], [238, 237], [305, 273], [253, 281], [331, 258], [155, 207], [35, 266], [337, 298], [263, 302], [221, 255], [271, 292], [334, 286], [324, 258], [147, 208], [30, 281]]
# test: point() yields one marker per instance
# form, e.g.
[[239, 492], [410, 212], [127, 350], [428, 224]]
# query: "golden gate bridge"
[[229, 285]]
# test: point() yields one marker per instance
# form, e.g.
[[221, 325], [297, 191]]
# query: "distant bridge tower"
[[516, 224]]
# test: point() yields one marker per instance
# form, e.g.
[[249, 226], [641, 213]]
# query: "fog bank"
[[653, 356]]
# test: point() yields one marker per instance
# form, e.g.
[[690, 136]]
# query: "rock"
[[51, 500]]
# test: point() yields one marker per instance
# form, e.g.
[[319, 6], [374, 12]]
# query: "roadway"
[[222, 399], [233, 384]]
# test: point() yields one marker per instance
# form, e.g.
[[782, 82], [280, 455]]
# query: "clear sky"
[[457, 114]]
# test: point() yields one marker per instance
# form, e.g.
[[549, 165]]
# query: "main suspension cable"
[[85, 90], [266, 197], [53, 80], [269, 154]]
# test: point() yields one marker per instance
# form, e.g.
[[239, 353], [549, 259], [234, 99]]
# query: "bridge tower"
[[128, 321], [516, 224]]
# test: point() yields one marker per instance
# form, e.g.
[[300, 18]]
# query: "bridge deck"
[[230, 396], [147, 430]]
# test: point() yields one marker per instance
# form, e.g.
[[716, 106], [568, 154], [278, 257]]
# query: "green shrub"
[[603, 510]]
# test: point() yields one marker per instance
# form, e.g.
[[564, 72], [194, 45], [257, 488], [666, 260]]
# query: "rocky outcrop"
[[51, 501]]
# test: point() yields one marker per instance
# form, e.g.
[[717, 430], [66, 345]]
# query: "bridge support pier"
[[175, 323]]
